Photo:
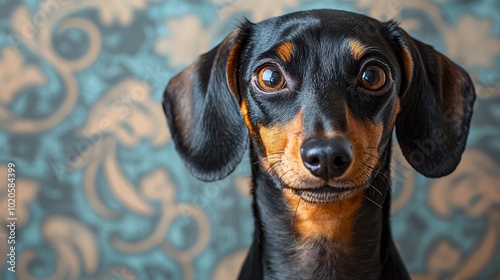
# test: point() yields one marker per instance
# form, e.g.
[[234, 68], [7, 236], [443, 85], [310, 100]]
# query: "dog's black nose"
[[327, 157]]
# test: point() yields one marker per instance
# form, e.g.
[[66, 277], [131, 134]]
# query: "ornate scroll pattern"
[[75, 249], [125, 116], [102, 193]]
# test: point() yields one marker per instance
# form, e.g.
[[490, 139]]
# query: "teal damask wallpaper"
[[100, 192]]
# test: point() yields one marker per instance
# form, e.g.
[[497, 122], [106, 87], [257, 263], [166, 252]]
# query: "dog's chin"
[[324, 194]]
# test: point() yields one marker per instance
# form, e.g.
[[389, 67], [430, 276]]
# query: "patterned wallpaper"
[[100, 192]]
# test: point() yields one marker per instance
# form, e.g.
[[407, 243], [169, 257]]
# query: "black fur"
[[432, 132], [204, 117], [202, 105]]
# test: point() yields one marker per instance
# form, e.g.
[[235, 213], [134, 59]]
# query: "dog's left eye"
[[270, 78], [372, 77]]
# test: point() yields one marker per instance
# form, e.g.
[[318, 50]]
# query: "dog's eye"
[[372, 78], [270, 78]]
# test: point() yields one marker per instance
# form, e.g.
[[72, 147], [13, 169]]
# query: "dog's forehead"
[[331, 24]]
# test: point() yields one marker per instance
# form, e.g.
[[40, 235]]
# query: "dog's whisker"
[[391, 178], [340, 216], [294, 217], [266, 159], [399, 182], [282, 176], [373, 202], [278, 162], [387, 178], [400, 164], [379, 192], [397, 171], [288, 202], [317, 207], [369, 167], [273, 155]]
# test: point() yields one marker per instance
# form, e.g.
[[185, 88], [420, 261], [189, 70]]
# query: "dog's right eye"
[[270, 78], [372, 77]]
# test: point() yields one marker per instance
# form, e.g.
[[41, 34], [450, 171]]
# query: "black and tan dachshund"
[[316, 96]]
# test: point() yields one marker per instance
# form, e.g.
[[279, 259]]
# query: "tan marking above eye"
[[285, 51], [372, 77], [357, 49]]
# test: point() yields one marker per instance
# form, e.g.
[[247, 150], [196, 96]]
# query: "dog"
[[315, 96]]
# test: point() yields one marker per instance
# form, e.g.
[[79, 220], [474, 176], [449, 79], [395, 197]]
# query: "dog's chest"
[[324, 259]]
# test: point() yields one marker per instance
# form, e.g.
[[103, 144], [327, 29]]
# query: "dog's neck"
[[363, 252]]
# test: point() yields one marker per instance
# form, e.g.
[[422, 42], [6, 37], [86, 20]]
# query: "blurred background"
[[100, 191]]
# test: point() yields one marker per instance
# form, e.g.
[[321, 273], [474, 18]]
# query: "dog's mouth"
[[324, 194]]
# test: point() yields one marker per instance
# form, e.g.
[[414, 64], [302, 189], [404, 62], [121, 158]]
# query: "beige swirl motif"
[[466, 48], [35, 30], [473, 188], [75, 246], [188, 38], [158, 187], [125, 115], [15, 76], [230, 266], [122, 10], [447, 257]]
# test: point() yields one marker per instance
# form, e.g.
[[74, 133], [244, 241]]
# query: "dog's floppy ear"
[[203, 112], [437, 98]]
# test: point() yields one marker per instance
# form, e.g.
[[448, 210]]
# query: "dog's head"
[[319, 93]]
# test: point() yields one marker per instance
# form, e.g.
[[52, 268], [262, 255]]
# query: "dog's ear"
[[203, 112], [436, 98]]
